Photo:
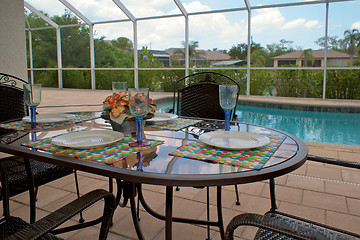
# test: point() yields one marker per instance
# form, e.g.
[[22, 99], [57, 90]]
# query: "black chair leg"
[[111, 185], [81, 220], [36, 192], [31, 186], [208, 211], [237, 195]]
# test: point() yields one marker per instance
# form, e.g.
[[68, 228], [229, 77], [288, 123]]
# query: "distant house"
[[161, 55], [334, 58], [202, 58]]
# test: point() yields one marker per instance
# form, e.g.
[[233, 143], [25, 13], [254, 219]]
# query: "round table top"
[[158, 167]]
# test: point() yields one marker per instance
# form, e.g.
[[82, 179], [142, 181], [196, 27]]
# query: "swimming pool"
[[324, 127]]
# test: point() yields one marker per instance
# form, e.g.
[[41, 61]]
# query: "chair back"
[[197, 95], [12, 104]]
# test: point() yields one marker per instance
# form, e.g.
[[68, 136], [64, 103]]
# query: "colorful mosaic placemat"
[[24, 126], [109, 154], [254, 158], [175, 124]]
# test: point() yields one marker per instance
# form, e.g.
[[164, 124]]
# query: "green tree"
[[150, 79], [107, 55], [332, 42], [123, 44], [75, 42], [284, 42], [350, 42], [43, 43], [257, 57], [238, 52]]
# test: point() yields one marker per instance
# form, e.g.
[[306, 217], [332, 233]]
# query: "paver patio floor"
[[327, 194]]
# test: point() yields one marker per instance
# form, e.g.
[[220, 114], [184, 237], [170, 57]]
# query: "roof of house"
[[315, 53], [230, 63], [213, 55], [202, 54], [157, 53]]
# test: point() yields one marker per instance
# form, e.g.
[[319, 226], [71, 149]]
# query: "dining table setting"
[[163, 149]]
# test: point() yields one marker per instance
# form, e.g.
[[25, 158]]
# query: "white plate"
[[88, 139], [50, 118], [162, 117], [234, 140]]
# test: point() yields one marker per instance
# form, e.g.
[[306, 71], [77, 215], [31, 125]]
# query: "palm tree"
[[257, 57], [193, 54], [306, 56], [350, 41]]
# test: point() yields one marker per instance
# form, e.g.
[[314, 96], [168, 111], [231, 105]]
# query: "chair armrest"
[[334, 161], [271, 224], [53, 220]]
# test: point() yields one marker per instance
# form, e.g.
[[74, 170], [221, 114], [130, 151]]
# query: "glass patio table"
[[155, 165]]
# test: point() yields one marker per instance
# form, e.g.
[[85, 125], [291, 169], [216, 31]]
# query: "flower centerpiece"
[[116, 108]]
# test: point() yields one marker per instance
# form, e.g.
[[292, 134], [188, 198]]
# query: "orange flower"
[[118, 104], [123, 94], [117, 110]]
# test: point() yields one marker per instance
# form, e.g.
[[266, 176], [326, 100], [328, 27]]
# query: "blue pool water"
[[338, 128]]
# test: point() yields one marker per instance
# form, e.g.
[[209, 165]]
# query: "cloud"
[[294, 24], [301, 22], [312, 24], [355, 25], [265, 18]]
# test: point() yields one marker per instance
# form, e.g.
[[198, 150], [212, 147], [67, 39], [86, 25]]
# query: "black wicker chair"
[[15, 228], [197, 95], [279, 225], [23, 175]]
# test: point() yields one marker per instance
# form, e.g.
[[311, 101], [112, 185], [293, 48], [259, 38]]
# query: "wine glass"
[[118, 86], [139, 107], [228, 94], [32, 96]]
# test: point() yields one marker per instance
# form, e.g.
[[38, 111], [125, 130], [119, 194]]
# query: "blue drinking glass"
[[139, 107], [228, 94], [32, 96]]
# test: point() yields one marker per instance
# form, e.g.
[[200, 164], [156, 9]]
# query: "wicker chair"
[[279, 225], [15, 228], [197, 95], [23, 175]]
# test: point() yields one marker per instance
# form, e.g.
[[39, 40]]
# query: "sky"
[[300, 25]]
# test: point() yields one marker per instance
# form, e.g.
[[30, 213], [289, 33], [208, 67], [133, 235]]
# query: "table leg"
[[219, 212], [272, 194], [134, 212], [168, 213]]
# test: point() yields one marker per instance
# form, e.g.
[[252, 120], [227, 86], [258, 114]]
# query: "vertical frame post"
[[325, 49], [92, 57], [59, 57]]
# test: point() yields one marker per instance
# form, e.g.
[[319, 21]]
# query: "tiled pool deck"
[[326, 194]]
